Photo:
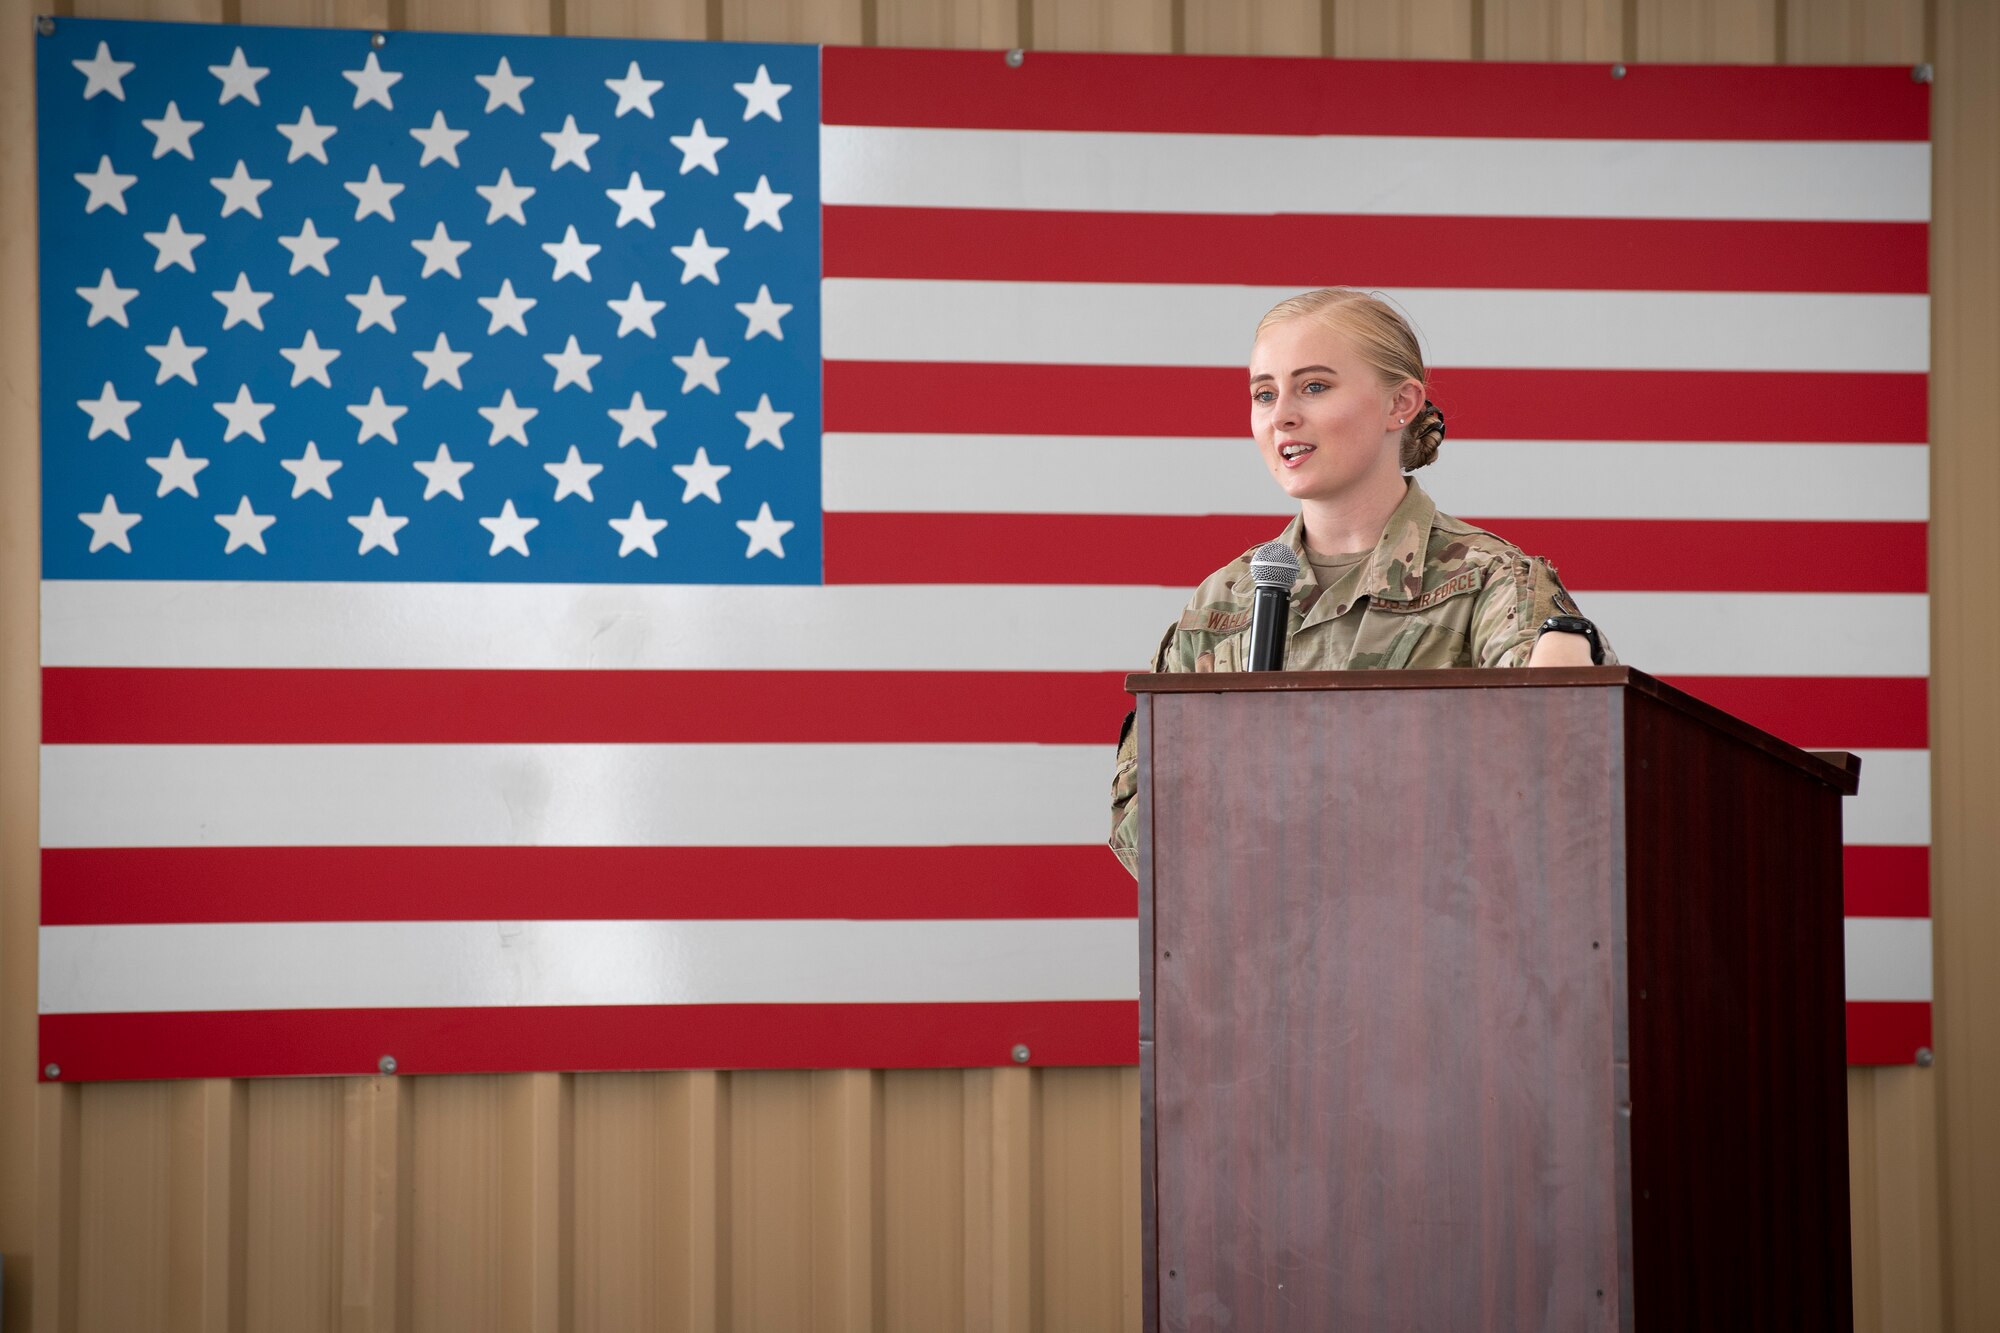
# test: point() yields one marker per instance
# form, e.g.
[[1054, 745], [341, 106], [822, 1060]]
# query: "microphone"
[[1274, 567]]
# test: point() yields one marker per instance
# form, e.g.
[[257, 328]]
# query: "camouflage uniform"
[[1472, 599]]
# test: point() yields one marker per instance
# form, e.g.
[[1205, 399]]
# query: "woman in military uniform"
[[1340, 414]]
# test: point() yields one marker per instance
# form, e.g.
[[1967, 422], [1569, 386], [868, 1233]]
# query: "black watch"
[[1577, 625]]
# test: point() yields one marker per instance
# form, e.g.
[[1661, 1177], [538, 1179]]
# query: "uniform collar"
[[1395, 568]]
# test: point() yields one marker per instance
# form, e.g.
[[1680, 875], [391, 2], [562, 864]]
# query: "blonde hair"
[[1384, 340]]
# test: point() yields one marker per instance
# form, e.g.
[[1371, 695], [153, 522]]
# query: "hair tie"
[[1435, 411]]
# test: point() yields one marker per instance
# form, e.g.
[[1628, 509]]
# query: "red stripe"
[[265, 1043], [131, 885], [1484, 404], [260, 1043], [1232, 95], [1850, 712], [119, 705], [1720, 555], [1618, 254], [1887, 881], [1626, 555], [195, 706], [1886, 1032]]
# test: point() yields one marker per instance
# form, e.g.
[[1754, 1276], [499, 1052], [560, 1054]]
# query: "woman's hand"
[[1559, 649]]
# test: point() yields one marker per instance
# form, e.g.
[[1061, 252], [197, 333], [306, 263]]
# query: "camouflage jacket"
[[1435, 592]]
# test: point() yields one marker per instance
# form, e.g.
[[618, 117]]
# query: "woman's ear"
[[1409, 401]]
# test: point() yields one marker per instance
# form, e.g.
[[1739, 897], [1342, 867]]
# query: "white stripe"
[[1029, 474], [429, 964], [527, 626], [893, 627], [1892, 808], [748, 795], [1373, 174], [1765, 634], [1165, 324], [735, 795], [1888, 958]]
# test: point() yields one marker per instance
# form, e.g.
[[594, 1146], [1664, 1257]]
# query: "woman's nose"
[[1287, 415]]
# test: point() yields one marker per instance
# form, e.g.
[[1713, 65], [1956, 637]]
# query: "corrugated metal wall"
[[1002, 1199]]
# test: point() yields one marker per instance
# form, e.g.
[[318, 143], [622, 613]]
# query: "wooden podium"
[[1487, 1000]]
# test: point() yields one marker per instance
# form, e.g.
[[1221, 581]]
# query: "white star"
[[378, 527], [765, 533], [373, 195], [702, 477], [242, 305], [240, 190], [376, 306], [509, 419], [698, 149], [573, 475], [177, 470], [176, 358], [504, 198], [699, 258], [440, 252], [761, 95], [764, 423], [102, 74], [441, 363], [376, 417], [107, 188], [636, 421], [108, 412], [763, 314], [371, 83], [570, 145], [507, 308], [439, 141], [635, 91], [308, 136], [572, 365], [108, 527], [310, 360], [636, 532], [509, 529], [698, 367], [635, 202], [309, 248], [636, 312], [244, 415], [175, 246], [310, 471], [170, 133], [245, 527], [108, 300], [503, 87], [571, 256], [442, 474], [239, 79], [762, 205]]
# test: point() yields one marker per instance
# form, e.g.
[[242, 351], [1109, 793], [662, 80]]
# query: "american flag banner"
[[577, 554]]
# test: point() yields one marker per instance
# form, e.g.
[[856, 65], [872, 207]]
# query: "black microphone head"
[[1274, 565]]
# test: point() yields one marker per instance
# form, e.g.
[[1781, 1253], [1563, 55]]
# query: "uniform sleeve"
[[1125, 778], [1519, 595]]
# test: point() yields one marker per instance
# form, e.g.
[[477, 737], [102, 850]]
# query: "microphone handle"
[[1270, 608]]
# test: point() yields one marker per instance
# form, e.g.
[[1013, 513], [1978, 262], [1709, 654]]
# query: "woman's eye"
[[1312, 386], [1262, 396]]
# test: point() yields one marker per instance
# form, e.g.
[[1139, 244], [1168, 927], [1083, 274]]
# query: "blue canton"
[[444, 308]]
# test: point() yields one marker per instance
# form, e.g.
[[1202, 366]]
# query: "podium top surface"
[[1836, 768]]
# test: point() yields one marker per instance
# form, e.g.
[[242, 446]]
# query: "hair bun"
[[1422, 438]]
